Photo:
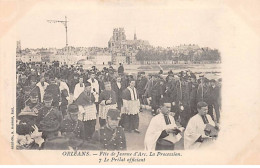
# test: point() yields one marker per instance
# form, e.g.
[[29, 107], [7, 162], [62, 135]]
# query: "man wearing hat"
[[23, 80], [182, 102], [33, 103], [120, 68], [44, 113], [118, 87], [71, 126], [107, 100], [204, 94], [26, 121], [170, 73], [193, 95], [54, 90], [154, 92], [168, 94], [214, 99], [112, 136], [50, 129], [28, 135], [87, 110], [140, 86]]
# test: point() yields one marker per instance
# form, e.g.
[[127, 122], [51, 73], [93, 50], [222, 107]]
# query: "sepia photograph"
[[127, 95], [138, 79]]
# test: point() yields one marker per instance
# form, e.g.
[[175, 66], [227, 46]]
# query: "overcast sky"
[[91, 23]]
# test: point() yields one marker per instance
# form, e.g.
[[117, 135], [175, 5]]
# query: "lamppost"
[[64, 22]]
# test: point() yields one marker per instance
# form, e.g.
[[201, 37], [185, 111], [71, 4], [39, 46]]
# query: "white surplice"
[[154, 130], [78, 90], [194, 130]]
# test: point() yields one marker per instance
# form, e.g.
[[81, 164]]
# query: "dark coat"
[[140, 85], [111, 139]]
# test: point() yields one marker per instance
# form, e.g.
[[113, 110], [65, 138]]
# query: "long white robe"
[[194, 130], [154, 130]]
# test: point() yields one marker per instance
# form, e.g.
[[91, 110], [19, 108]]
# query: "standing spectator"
[[215, 91], [120, 69], [193, 95], [141, 89], [182, 101], [154, 92], [117, 88]]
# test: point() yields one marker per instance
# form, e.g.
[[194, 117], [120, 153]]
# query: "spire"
[[135, 38]]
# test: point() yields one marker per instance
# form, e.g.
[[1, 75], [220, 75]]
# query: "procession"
[[62, 107]]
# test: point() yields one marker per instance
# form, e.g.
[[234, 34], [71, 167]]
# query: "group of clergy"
[[118, 95]]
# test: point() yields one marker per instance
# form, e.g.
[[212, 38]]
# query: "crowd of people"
[[58, 107]]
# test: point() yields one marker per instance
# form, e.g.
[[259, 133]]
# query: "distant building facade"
[[123, 50]]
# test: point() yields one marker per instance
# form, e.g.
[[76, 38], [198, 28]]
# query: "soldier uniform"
[[52, 141], [44, 113], [71, 128], [111, 139], [35, 106]]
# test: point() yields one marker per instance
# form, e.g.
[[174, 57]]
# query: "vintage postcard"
[[129, 82]]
